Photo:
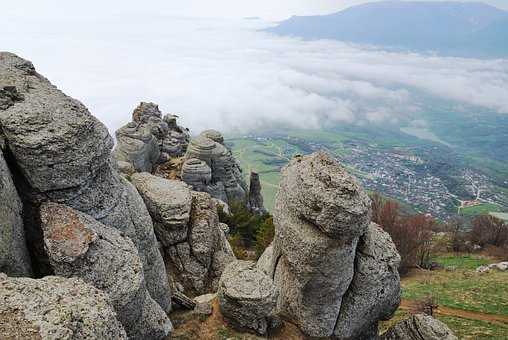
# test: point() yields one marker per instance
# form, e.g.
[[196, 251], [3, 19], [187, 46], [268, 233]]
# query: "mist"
[[229, 75]]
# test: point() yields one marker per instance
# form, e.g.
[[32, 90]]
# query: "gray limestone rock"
[[14, 258], [374, 293], [419, 327], [227, 183], [195, 246], [63, 154], [79, 246], [150, 138], [55, 308], [255, 197], [169, 203], [197, 174], [265, 261], [247, 297], [320, 213]]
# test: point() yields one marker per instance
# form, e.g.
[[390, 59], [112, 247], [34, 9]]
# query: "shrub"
[[489, 231], [264, 235], [412, 235], [247, 229]]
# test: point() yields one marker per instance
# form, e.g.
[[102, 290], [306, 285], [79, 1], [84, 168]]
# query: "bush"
[[247, 229], [412, 235], [489, 231]]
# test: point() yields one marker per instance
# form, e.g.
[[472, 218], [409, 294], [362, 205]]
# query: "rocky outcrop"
[[227, 182], [197, 174], [150, 139], [265, 261], [55, 308], [14, 258], [501, 266], [419, 327], [321, 215], [62, 153], [79, 246], [169, 203], [374, 293], [195, 246], [255, 197], [247, 297]]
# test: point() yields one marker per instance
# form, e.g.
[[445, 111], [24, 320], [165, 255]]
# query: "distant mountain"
[[448, 28]]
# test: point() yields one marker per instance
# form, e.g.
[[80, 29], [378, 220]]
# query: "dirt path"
[[501, 320]]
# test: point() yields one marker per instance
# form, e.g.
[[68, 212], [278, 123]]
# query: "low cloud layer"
[[226, 74]]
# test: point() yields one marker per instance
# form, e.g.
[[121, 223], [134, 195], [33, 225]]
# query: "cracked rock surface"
[[56, 308], [62, 154], [196, 250], [247, 297], [79, 246], [336, 274]]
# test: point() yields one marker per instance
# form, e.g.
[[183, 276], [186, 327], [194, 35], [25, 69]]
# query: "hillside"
[[448, 28]]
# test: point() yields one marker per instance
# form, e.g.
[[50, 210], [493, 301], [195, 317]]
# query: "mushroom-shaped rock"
[[419, 327], [169, 203], [137, 146], [227, 182], [79, 246], [374, 293], [56, 308], [197, 174], [201, 148], [214, 135], [247, 297], [14, 258], [63, 154], [319, 214]]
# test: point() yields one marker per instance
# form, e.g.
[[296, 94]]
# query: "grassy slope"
[[461, 288]]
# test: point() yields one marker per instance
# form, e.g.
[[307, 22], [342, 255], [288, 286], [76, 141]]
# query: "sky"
[[227, 73]]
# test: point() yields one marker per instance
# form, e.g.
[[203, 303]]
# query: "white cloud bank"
[[226, 74]]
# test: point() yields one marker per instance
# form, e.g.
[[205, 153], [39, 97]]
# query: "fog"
[[229, 75]]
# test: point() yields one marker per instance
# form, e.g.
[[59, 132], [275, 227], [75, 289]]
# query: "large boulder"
[[320, 213], [14, 258], [374, 293], [187, 224], [63, 154], [55, 308], [150, 138], [79, 246], [419, 327], [169, 203], [247, 297]]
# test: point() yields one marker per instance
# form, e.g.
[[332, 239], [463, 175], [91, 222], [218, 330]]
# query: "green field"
[[480, 209]]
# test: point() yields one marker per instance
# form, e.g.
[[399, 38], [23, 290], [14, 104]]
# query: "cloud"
[[228, 75]]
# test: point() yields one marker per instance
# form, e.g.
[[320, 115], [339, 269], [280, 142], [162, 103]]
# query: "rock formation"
[[150, 139], [227, 183], [197, 174], [79, 246], [14, 258], [321, 215], [61, 153], [247, 297], [55, 308], [376, 275], [255, 197], [187, 225], [419, 327]]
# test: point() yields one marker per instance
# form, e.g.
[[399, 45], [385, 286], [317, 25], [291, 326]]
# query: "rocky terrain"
[[98, 243]]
